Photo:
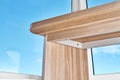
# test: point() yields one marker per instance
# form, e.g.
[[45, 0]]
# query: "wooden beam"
[[96, 19], [65, 63], [97, 29], [98, 37]]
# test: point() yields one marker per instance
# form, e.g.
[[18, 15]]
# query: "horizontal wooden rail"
[[82, 26], [96, 29], [98, 37]]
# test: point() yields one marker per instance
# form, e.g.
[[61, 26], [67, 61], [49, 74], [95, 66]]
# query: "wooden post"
[[93, 27], [65, 62]]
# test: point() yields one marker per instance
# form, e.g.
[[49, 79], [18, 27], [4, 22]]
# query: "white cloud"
[[39, 60], [14, 56], [114, 49]]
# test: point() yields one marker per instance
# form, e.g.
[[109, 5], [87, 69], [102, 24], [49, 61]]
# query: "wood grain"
[[98, 37], [77, 19], [101, 28], [65, 63]]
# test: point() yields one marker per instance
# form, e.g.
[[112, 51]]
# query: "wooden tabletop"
[[83, 26]]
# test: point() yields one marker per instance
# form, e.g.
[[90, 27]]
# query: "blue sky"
[[106, 59], [92, 3], [20, 50]]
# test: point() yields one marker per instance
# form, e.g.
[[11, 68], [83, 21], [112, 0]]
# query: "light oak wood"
[[87, 23], [98, 37], [101, 28], [68, 63], [65, 63]]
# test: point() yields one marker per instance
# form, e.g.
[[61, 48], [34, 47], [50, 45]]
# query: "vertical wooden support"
[[65, 63]]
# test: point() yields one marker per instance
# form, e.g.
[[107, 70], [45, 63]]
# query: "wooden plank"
[[65, 63], [101, 28], [98, 37], [77, 19]]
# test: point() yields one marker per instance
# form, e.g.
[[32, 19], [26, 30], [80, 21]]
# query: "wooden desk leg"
[[65, 63]]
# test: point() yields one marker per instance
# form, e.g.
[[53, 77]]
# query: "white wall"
[[15, 76]]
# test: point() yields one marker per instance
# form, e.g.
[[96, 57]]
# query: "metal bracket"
[[92, 44], [70, 43]]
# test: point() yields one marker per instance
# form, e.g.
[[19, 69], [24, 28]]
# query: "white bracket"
[[92, 44], [70, 43]]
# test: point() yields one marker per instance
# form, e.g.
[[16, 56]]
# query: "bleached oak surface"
[[65, 63], [103, 21]]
